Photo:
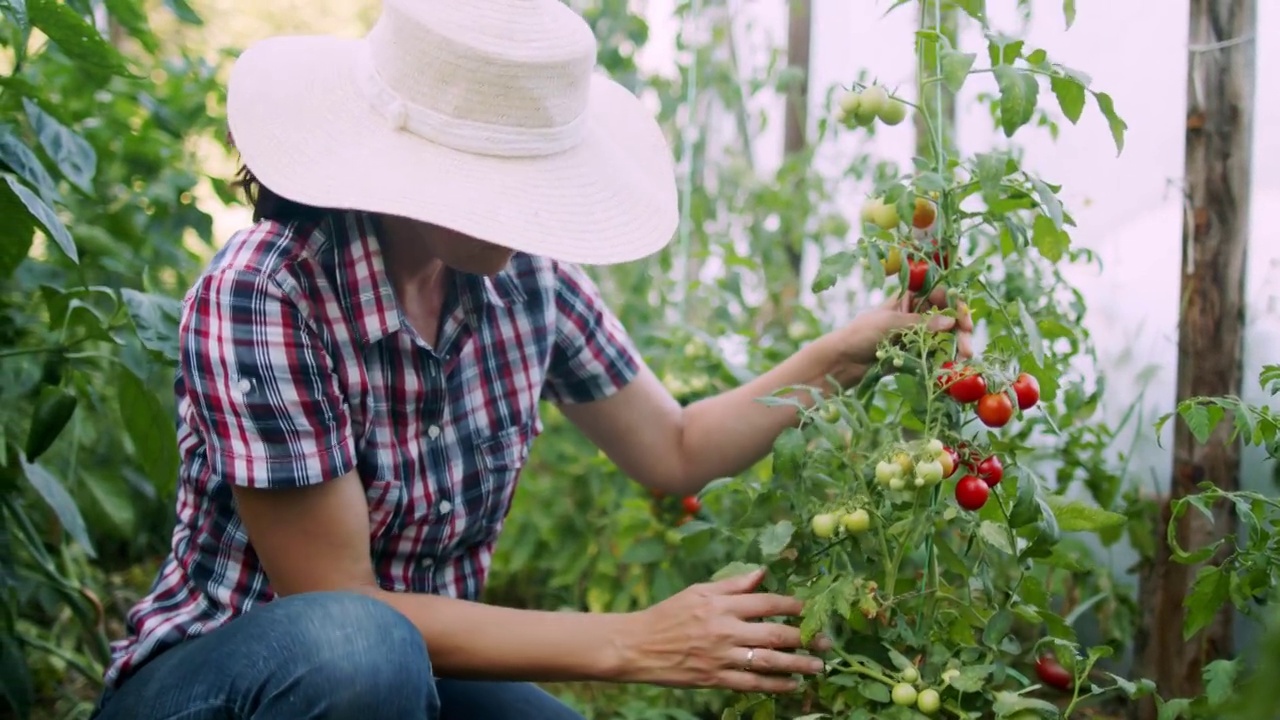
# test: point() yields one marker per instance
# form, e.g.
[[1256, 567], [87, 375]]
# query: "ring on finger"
[[751, 658]]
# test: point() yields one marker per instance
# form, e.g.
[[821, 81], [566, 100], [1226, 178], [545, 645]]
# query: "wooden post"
[[1220, 95], [799, 31]]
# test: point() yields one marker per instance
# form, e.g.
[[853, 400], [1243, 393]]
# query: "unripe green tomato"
[[873, 100], [904, 695], [897, 483], [909, 675], [934, 446], [886, 471], [824, 525], [893, 112], [881, 354], [830, 412], [850, 101], [856, 522], [930, 471], [897, 362], [928, 701], [919, 482]]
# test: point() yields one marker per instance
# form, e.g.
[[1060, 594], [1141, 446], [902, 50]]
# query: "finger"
[[737, 584], [763, 605], [774, 662], [965, 345], [941, 323], [938, 297], [965, 317], [749, 682], [779, 637]]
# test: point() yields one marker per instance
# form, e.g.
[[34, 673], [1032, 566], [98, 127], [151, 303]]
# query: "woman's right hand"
[[705, 636]]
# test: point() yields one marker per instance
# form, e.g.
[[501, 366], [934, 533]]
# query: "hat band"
[[468, 136]]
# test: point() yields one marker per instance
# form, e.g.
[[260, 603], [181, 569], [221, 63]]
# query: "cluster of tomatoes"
[[923, 464], [967, 386], [690, 505], [924, 214], [861, 109]]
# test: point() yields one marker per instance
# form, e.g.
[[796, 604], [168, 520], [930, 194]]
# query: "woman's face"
[[457, 251]]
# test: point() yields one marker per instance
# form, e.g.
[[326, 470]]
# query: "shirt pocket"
[[386, 501], [500, 460]]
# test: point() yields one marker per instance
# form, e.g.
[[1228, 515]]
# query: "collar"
[[367, 295]]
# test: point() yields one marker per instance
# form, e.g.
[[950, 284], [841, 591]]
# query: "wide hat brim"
[[306, 131]]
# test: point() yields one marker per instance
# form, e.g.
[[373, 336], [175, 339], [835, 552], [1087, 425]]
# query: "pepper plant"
[[910, 511]]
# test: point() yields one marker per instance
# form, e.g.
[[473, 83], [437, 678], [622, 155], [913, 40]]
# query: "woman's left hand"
[[854, 345]]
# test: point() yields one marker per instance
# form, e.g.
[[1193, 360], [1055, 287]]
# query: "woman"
[[360, 377]]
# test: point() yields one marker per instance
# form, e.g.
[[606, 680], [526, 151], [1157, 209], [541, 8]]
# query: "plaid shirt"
[[297, 366]]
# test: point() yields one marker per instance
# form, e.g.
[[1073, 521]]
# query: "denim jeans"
[[317, 656]]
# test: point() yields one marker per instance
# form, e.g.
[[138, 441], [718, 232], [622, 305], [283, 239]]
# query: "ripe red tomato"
[[948, 374], [991, 471], [917, 272], [941, 259], [1052, 673], [692, 505], [1027, 389], [924, 214], [995, 410], [972, 493], [955, 459], [968, 387]]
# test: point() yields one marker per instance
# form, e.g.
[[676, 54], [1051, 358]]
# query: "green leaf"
[[23, 161], [16, 12], [955, 68], [644, 551], [17, 686], [1201, 420], [972, 678], [874, 691], [1208, 593], [1008, 703], [775, 538], [155, 319], [132, 17], [1049, 201], [1076, 516], [1034, 342], [788, 454], [1018, 91], [1219, 680], [75, 36], [45, 216], [53, 410], [996, 536], [1117, 125], [997, 627], [1070, 94], [1069, 12], [51, 490], [184, 12], [1050, 241], [73, 155], [832, 268], [735, 569], [151, 429], [1174, 709], [1025, 509]]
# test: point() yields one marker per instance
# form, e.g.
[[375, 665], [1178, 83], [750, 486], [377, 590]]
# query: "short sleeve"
[[593, 356], [261, 386]]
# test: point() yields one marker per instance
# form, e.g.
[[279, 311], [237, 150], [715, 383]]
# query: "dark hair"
[[266, 204]]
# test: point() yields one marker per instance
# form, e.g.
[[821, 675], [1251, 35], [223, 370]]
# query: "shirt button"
[[433, 432], [445, 507], [426, 562]]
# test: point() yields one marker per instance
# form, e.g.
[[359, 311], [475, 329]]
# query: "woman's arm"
[[315, 538]]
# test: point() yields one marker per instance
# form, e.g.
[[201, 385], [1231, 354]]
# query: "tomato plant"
[[938, 602]]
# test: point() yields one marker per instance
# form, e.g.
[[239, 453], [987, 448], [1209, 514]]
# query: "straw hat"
[[484, 116]]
